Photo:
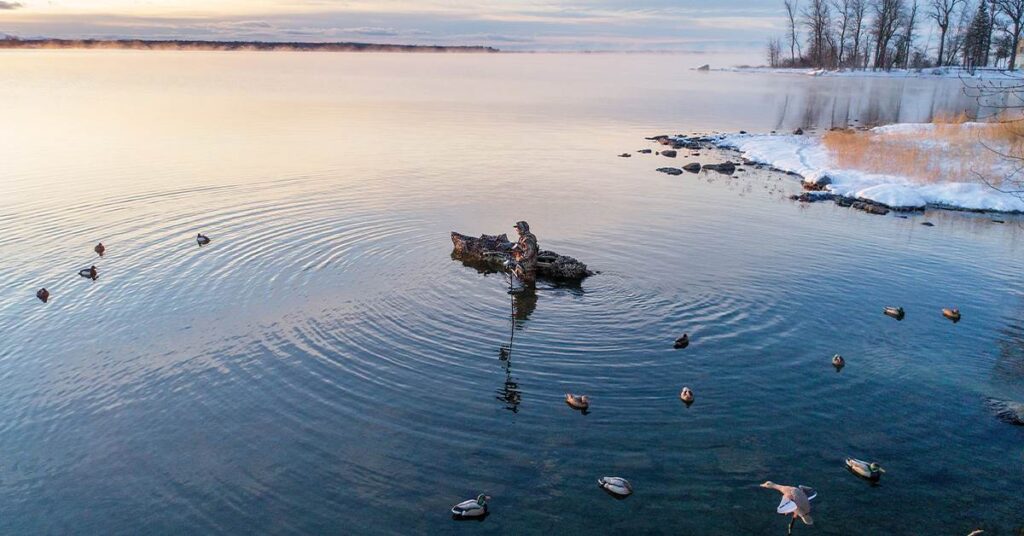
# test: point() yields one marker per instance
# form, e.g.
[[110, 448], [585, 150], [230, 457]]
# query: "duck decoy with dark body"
[[99, 249], [202, 239], [580, 402], [870, 471], [89, 272], [686, 395], [952, 314], [43, 295], [472, 507], [616, 485], [895, 312], [682, 342], [838, 362]]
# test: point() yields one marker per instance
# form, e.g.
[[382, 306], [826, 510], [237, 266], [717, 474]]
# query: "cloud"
[[9, 5]]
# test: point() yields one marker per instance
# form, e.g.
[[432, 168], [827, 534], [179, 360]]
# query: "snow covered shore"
[[807, 156], [934, 73]]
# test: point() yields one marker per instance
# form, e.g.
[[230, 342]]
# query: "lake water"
[[325, 367]]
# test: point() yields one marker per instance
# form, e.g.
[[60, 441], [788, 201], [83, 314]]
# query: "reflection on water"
[[324, 366]]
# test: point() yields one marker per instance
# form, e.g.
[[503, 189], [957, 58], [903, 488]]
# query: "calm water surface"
[[325, 367]]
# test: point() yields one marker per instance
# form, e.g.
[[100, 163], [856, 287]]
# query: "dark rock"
[[798, 132], [625, 155], [998, 221], [489, 252], [692, 167], [704, 67], [928, 224], [659, 137], [871, 208], [816, 184], [671, 170], [665, 141], [743, 132], [645, 151], [725, 168], [671, 153]]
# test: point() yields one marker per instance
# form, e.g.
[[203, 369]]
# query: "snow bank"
[[808, 157], [944, 72]]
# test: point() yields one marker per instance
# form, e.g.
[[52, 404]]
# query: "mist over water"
[[324, 366]]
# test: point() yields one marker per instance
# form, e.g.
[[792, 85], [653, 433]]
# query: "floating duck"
[[682, 342], [99, 249], [795, 501], [202, 239], [686, 395], [616, 485], [472, 508], [928, 224], [895, 312], [871, 471], [43, 295], [952, 314], [577, 401], [838, 362], [89, 272]]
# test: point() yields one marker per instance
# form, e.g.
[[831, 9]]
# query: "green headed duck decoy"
[[471, 508], [795, 501], [952, 314], [616, 485], [99, 249], [89, 272], [43, 295], [895, 312], [682, 342], [871, 471], [577, 401], [202, 239]]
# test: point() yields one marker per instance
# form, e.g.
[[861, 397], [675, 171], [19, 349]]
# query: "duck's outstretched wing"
[[787, 506]]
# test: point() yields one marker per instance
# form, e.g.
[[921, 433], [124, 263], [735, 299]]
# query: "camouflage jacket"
[[525, 252]]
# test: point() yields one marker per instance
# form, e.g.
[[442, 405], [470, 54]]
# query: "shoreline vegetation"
[[929, 72], [190, 44]]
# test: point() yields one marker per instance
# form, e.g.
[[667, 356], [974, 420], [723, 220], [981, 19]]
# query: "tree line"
[[899, 34]]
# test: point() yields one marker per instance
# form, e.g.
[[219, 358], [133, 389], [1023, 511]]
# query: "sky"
[[543, 25]]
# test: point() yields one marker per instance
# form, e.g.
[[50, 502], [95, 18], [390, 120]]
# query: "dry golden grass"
[[953, 150]]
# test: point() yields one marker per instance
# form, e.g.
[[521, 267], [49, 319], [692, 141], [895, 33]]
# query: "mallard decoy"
[[682, 342], [615, 485], [202, 239], [472, 507], [838, 362], [686, 395], [99, 249], [871, 471], [43, 295], [795, 501], [952, 314], [895, 312], [577, 401], [89, 272]]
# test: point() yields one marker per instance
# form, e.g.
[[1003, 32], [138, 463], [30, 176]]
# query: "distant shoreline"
[[191, 44]]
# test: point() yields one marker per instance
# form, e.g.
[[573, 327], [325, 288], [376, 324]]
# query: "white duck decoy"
[[580, 402], [871, 471], [838, 362], [202, 239], [472, 507], [686, 395], [615, 485], [796, 501]]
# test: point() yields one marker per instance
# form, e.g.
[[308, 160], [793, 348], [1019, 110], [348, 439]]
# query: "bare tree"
[[958, 36], [942, 12], [818, 21], [886, 24], [794, 41], [1014, 10], [858, 9], [774, 52], [842, 28], [908, 36]]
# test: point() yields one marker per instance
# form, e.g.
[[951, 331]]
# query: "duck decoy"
[[795, 501], [43, 295], [202, 239], [895, 312], [89, 272], [472, 507], [686, 395], [682, 342], [928, 224], [870, 471], [838, 362], [952, 314], [577, 401], [99, 249], [616, 485]]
